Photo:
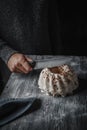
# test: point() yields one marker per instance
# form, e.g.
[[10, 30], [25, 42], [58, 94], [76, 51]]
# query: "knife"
[[50, 62]]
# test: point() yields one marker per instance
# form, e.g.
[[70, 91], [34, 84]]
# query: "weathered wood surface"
[[69, 113]]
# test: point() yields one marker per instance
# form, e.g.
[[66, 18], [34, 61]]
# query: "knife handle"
[[32, 63]]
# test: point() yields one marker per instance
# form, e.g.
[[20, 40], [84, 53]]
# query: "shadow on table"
[[35, 106], [82, 87], [8, 112]]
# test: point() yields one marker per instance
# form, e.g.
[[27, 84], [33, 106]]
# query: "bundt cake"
[[58, 81]]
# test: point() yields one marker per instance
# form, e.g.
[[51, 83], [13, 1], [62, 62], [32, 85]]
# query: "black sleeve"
[[5, 51]]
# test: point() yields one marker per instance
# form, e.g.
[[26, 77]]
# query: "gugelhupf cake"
[[58, 81]]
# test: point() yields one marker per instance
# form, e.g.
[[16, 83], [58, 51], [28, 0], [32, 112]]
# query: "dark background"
[[73, 21], [72, 28]]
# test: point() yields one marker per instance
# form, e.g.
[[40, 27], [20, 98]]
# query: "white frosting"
[[61, 81]]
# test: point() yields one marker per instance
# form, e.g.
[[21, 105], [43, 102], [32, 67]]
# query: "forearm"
[[5, 51]]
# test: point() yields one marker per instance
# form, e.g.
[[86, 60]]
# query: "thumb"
[[28, 59], [31, 62]]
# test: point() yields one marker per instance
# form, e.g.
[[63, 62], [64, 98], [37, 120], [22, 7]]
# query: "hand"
[[19, 63]]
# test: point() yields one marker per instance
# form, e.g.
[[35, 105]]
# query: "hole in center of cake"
[[56, 70]]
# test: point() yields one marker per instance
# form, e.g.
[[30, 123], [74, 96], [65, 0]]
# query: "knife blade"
[[49, 62]]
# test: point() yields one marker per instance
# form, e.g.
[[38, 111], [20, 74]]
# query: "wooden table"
[[49, 113]]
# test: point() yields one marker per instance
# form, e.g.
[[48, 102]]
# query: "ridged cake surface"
[[58, 81]]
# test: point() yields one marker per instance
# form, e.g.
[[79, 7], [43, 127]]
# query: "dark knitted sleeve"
[[5, 51]]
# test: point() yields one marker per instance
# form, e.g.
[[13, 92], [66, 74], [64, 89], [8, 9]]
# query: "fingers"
[[21, 68], [17, 70], [19, 63], [25, 67]]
